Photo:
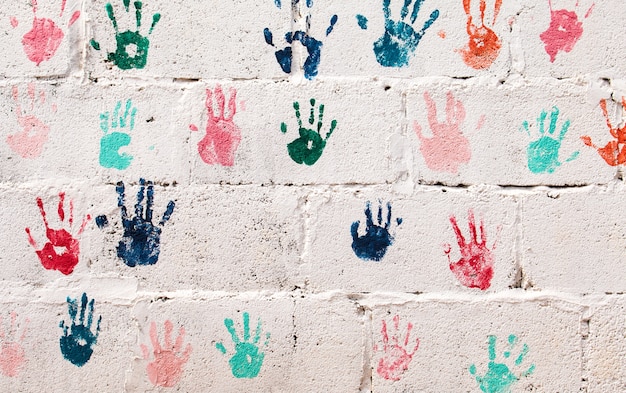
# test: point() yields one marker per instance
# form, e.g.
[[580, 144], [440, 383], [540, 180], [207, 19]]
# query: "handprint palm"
[[111, 142], [167, 367], [484, 45], [396, 359], [12, 353], [614, 153], [373, 245], [78, 340]]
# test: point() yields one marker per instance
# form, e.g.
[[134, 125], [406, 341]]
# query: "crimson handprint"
[[167, 367], [397, 358]]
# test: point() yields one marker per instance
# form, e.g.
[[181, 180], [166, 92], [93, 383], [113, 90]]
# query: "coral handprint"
[[475, 268], [132, 47], [140, 244], [484, 44], [447, 149], [111, 142], [167, 368], [372, 246], [614, 153], [397, 357], [499, 377], [248, 358], [12, 356], [308, 148], [78, 340], [543, 153], [222, 135], [564, 31], [59, 240]]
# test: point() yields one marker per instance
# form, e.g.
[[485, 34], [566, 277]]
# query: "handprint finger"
[[553, 118], [230, 326], [483, 234], [168, 213], [257, 332], [312, 112], [416, 10], [466, 7], [120, 200], [72, 308], [369, 222], [221, 100], [232, 106], [522, 355], [496, 10], [60, 210], [333, 21], [169, 328], [492, 348], [179, 339], [457, 231], [154, 338], [111, 14], [606, 116], [409, 327], [564, 129], [472, 225], [354, 229], [246, 327], [433, 17], [386, 10], [405, 9], [149, 202], [296, 107], [90, 314], [388, 223], [380, 213], [385, 334], [83, 306], [31, 240], [396, 330], [140, 196], [43, 212], [432, 110]]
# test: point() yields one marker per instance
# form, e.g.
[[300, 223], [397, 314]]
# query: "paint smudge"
[[132, 47], [140, 244], [614, 153], [397, 358], [248, 359], [111, 142], [475, 268], [484, 45], [564, 31], [222, 135], [14, 21], [499, 378], [543, 153], [167, 368], [59, 239], [308, 148], [78, 340], [447, 149], [373, 245], [362, 22], [12, 357]]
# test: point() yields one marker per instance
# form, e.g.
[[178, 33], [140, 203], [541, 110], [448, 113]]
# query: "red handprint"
[[59, 238], [167, 367], [564, 31], [484, 45], [12, 354], [396, 359], [614, 153], [222, 135], [448, 148], [475, 268]]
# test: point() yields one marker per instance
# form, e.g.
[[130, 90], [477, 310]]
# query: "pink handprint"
[[396, 359], [447, 149], [564, 31], [222, 135], [11, 353], [167, 367]]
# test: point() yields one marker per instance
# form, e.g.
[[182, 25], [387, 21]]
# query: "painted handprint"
[[543, 154], [12, 356], [447, 149], [140, 244], [484, 45], [222, 135], [59, 239], [111, 142], [372, 246], [29, 142], [499, 377], [614, 153], [78, 340], [308, 148], [167, 368], [475, 268], [397, 357], [248, 359], [564, 31], [132, 47]]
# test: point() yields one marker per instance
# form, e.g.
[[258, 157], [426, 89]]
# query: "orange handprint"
[[614, 153], [167, 367], [484, 45]]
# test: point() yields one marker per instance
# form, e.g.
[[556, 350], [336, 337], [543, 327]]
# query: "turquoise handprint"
[[111, 142]]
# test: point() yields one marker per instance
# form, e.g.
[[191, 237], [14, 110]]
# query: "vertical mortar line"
[[366, 320], [518, 244], [584, 328], [298, 23], [306, 220], [82, 76]]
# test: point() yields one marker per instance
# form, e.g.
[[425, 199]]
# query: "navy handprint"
[[373, 245], [78, 340], [140, 244]]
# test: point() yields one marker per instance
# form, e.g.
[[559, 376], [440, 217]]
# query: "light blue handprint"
[[111, 142]]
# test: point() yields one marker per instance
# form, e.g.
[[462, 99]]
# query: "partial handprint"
[[475, 268], [132, 47], [140, 244], [78, 340], [543, 154], [29, 142], [564, 31], [397, 358], [373, 245], [247, 360], [484, 45], [447, 149], [67, 259], [309, 146], [111, 142], [499, 378], [167, 367], [12, 353], [614, 153]]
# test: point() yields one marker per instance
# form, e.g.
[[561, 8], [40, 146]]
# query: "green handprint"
[[247, 360], [133, 40], [309, 146], [499, 378]]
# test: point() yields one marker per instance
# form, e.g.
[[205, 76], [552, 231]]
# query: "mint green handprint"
[[499, 378], [111, 142], [247, 360]]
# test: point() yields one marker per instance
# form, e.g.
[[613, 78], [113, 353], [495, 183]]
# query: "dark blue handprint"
[[373, 245], [140, 244], [78, 340]]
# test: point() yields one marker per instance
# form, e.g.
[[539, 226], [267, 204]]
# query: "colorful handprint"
[[12, 356], [614, 153], [112, 142], [167, 367], [78, 340], [372, 246], [484, 44], [396, 358], [564, 31]]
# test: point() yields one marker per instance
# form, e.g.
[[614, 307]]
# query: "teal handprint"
[[543, 154], [499, 378], [248, 359], [111, 142]]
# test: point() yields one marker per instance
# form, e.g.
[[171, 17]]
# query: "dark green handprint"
[[499, 378], [129, 41], [309, 146]]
